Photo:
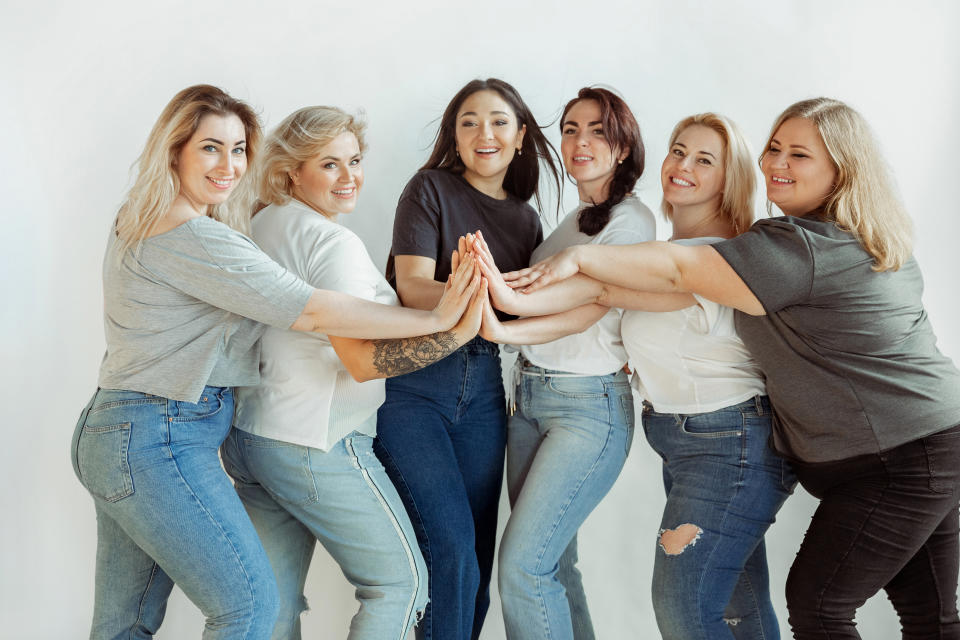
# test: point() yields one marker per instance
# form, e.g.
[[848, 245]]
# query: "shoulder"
[[630, 221], [433, 181]]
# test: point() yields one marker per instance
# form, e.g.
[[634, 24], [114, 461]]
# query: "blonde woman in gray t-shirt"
[[186, 298]]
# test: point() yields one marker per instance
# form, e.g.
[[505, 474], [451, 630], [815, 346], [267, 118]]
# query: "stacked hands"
[[464, 296], [504, 291]]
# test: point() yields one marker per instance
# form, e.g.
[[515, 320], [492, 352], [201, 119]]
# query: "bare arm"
[[659, 267], [385, 358], [336, 313], [540, 329], [415, 284]]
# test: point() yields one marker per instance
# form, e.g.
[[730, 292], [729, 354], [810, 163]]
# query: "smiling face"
[[212, 161], [487, 137], [797, 168], [330, 181], [587, 155], [692, 173]]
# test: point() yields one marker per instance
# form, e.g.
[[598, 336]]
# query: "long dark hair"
[[622, 132], [523, 174]]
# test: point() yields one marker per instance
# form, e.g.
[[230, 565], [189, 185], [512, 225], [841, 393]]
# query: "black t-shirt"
[[437, 207], [850, 358]]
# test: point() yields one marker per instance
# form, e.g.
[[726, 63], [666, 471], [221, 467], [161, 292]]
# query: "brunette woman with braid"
[[572, 423]]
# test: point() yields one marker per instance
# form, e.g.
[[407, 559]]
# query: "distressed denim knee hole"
[[675, 541]]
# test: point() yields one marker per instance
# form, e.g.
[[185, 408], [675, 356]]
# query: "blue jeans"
[[566, 446], [297, 495], [167, 513], [441, 436], [724, 487]]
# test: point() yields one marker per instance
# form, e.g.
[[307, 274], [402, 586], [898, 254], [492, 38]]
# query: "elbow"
[[362, 374]]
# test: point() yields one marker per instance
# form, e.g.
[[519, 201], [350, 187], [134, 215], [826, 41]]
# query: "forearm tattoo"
[[397, 356]]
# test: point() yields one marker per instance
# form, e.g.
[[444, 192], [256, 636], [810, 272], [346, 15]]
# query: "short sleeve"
[[775, 260], [416, 226], [225, 269], [638, 225], [340, 262]]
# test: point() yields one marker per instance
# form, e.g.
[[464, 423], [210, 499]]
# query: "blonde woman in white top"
[[301, 451], [704, 405]]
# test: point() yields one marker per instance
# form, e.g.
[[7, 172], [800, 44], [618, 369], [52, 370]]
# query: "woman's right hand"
[[458, 292], [559, 266], [471, 320], [502, 296], [491, 329]]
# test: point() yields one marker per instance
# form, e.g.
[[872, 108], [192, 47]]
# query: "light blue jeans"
[[724, 485], [297, 495], [167, 513], [566, 445]]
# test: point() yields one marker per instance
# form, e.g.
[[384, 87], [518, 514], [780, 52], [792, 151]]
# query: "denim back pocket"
[[942, 450], [101, 461]]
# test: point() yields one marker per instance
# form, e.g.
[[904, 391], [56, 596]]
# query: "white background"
[[81, 84]]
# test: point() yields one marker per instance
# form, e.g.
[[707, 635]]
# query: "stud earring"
[[519, 152]]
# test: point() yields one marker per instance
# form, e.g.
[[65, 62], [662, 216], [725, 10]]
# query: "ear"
[[520, 134], [623, 155], [294, 177]]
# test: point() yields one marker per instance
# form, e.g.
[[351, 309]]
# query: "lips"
[[221, 183], [781, 180], [680, 182], [487, 151], [344, 194]]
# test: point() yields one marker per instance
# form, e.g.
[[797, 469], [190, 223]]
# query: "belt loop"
[[758, 401]]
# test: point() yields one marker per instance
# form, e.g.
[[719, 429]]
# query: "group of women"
[[793, 348]]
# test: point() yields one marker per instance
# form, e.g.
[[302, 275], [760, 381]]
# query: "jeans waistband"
[[481, 346], [761, 404]]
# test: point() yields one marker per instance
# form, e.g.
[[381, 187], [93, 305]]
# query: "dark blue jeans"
[[724, 486], [441, 436], [885, 521]]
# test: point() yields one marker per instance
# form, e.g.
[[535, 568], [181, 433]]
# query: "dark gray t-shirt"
[[850, 358], [437, 207], [187, 310]]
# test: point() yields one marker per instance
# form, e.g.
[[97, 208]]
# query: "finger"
[[538, 283], [462, 244], [454, 261], [512, 276], [464, 274]]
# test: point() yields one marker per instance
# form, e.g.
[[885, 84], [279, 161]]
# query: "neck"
[[699, 221], [184, 207], [491, 186], [594, 193]]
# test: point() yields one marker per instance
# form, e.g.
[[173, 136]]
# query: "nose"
[[227, 160], [777, 161], [686, 163], [582, 139], [486, 130], [346, 173]]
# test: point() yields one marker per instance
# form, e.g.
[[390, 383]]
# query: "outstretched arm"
[[540, 329], [385, 358], [333, 312], [659, 267]]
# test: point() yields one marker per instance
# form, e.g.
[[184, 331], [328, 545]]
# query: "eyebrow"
[[680, 144], [337, 158], [215, 141], [794, 146], [473, 113], [577, 124]]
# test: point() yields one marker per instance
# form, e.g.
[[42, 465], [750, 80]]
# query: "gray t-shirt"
[[187, 311], [850, 357]]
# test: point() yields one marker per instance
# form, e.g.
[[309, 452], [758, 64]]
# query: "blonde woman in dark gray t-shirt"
[[186, 297], [867, 408]]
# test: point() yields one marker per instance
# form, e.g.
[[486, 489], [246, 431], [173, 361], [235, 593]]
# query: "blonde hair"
[[157, 183], [300, 137], [864, 200], [739, 177]]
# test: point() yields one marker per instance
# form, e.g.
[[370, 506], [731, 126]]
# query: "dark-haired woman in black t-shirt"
[[866, 406], [441, 433]]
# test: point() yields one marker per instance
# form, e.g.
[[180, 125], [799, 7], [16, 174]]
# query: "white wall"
[[81, 84]]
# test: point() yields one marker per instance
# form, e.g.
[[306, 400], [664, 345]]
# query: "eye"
[[704, 161], [210, 148], [354, 162], [467, 123], [501, 122], [330, 165], [773, 150], [598, 132], [798, 155], [569, 131], [240, 151], [678, 152]]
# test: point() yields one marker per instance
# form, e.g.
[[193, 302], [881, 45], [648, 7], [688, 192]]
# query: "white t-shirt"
[[598, 350], [306, 396], [690, 360]]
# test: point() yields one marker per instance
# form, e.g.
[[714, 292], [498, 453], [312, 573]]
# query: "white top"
[[691, 360], [306, 396], [598, 350]]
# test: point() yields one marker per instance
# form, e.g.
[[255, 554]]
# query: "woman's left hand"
[[559, 266]]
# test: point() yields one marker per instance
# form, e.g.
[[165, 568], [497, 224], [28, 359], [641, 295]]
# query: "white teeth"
[[344, 192], [488, 150], [582, 158], [782, 180], [681, 182], [222, 183]]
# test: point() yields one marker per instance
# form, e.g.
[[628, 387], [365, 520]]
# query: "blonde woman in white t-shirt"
[[301, 450], [705, 411]]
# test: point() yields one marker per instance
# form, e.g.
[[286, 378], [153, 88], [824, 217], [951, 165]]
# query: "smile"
[[780, 180], [680, 182], [582, 158], [488, 150], [221, 183], [344, 193]]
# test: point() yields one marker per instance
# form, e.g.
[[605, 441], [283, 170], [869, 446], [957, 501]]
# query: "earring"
[[519, 152], [619, 161]]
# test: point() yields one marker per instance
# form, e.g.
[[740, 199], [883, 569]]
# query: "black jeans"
[[885, 521]]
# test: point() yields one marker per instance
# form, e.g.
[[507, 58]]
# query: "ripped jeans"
[[724, 486]]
